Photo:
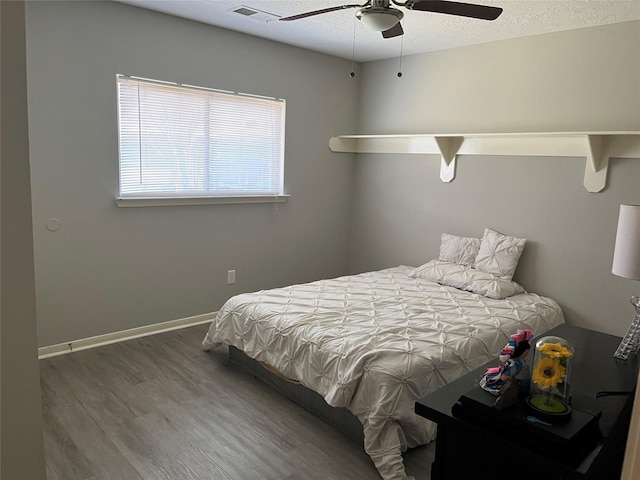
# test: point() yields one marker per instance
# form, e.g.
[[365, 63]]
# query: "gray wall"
[[581, 80], [21, 447], [109, 268]]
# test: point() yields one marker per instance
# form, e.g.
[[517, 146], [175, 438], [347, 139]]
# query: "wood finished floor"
[[159, 407]]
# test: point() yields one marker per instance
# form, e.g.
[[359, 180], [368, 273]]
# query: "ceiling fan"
[[379, 15]]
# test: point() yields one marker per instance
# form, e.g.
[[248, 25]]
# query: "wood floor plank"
[[64, 458], [159, 407], [159, 450], [104, 459]]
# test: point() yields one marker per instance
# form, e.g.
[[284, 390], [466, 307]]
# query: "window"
[[181, 141]]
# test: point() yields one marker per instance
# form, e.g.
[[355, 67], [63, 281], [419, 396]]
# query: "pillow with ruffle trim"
[[467, 278], [462, 250]]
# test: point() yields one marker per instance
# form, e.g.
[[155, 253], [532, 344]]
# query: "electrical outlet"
[[231, 277]]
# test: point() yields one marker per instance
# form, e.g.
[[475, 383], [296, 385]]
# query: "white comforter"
[[375, 343]]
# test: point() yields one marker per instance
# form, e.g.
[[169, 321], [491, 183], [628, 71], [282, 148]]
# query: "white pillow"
[[499, 254], [467, 278], [462, 250]]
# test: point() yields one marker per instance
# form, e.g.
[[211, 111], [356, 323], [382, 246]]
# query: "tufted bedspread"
[[375, 343]]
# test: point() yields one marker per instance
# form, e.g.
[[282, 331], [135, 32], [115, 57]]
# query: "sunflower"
[[548, 372], [555, 350]]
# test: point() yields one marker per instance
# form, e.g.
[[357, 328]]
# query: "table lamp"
[[626, 263]]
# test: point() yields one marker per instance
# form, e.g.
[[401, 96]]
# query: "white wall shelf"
[[597, 147]]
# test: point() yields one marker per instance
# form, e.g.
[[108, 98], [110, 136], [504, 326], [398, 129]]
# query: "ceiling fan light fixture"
[[379, 19]]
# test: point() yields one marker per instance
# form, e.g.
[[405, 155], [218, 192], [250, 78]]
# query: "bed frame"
[[338, 417]]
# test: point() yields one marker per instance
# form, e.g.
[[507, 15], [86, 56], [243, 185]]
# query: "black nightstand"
[[484, 447]]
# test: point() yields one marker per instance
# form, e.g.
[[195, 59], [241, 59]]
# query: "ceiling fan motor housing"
[[379, 18]]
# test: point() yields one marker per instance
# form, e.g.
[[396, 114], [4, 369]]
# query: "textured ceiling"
[[338, 33]]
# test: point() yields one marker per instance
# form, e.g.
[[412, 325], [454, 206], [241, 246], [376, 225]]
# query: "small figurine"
[[511, 379]]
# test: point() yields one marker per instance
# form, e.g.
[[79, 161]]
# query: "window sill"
[[175, 201]]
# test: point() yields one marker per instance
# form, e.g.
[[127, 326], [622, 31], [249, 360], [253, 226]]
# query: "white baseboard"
[[114, 337]]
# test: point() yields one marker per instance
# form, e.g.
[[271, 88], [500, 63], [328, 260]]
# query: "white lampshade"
[[379, 19], [626, 256]]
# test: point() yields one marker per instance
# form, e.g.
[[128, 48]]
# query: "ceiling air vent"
[[254, 14]]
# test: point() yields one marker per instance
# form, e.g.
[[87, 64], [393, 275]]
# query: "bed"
[[375, 342]]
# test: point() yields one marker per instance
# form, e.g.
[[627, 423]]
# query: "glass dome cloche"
[[549, 395]]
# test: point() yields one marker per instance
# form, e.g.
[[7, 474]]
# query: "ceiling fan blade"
[[481, 12], [319, 12], [394, 31]]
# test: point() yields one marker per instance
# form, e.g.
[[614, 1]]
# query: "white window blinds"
[[183, 141]]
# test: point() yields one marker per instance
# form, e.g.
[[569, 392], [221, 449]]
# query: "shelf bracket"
[[449, 147], [597, 164]]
